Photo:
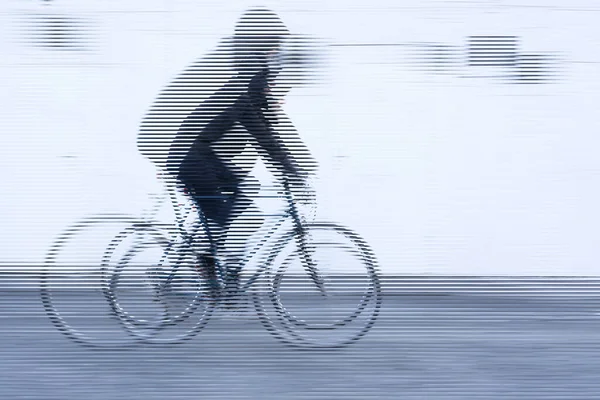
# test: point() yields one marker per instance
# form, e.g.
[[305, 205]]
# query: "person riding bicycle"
[[244, 110]]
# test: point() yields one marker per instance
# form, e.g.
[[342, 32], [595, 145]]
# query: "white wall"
[[452, 173]]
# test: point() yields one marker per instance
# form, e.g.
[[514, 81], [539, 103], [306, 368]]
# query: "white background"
[[441, 173]]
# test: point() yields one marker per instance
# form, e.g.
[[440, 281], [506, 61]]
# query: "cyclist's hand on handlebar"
[[307, 195], [302, 190], [295, 181]]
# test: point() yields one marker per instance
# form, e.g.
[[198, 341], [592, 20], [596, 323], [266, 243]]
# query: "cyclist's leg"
[[207, 262], [243, 221], [219, 208], [200, 176], [217, 191]]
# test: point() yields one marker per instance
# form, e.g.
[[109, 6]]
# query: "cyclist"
[[244, 110]]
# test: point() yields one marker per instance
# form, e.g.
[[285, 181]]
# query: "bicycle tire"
[[286, 327], [137, 327], [48, 293]]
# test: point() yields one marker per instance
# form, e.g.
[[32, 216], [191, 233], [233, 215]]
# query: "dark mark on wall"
[[497, 57], [492, 51], [56, 32]]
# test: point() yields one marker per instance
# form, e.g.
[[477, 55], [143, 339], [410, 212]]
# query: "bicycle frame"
[[291, 212]]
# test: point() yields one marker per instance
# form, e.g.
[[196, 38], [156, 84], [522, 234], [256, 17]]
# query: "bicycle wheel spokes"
[[327, 294], [156, 287], [139, 286], [74, 286], [328, 297]]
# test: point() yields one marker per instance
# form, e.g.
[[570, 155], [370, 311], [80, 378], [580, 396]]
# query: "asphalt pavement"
[[436, 345]]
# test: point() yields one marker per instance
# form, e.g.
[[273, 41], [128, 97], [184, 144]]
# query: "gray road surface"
[[453, 346]]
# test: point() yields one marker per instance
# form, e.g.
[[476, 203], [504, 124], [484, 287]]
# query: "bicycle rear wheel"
[[74, 286], [327, 294], [156, 287]]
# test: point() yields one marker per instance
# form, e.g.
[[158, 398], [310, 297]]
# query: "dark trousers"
[[213, 186]]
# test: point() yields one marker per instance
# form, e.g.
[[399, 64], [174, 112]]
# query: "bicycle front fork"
[[307, 260]]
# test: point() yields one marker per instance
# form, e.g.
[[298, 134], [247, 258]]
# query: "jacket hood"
[[258, 32]]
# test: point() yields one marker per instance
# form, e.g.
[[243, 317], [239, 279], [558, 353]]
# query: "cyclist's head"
[[258, 36]]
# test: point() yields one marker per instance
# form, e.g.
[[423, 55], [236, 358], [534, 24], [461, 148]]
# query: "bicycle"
[[177, 267]]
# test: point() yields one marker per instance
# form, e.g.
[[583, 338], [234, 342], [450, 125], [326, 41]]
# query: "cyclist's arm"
[[275, 150], [290, 159], [292, 140]]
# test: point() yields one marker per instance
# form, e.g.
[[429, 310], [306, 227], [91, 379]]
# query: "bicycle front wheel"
[[325, 289]]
